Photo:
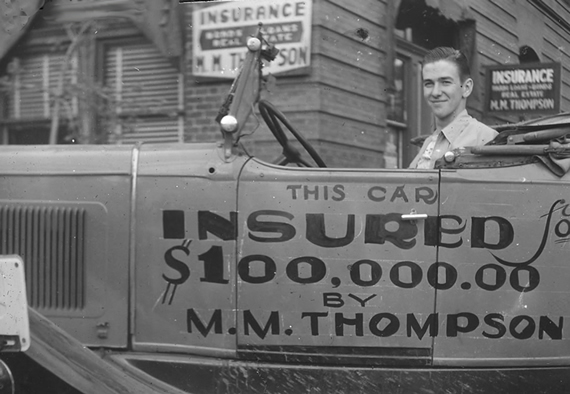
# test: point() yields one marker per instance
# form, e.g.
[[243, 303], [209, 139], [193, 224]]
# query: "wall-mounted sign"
[[523, 89], [221, 32]]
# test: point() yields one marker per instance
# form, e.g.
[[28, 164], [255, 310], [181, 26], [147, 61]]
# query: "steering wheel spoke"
[[274, 119]]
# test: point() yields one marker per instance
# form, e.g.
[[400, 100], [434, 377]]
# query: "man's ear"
[[467, 87]]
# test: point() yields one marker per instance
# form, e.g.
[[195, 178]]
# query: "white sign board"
[[221, 32], [14, 324]]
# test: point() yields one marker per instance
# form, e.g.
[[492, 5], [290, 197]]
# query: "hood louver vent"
[[50, 239]]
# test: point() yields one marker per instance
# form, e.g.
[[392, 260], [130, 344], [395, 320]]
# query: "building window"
[[144, 94], [425, 26], [31, 86]]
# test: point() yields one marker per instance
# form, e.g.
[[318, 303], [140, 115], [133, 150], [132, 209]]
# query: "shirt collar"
[[452, 130]]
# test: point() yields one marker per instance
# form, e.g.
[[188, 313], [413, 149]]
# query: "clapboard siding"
[[553, 56], [510, 7], [493, 52], [344, 18], [363, 9], [496, 35], [555, 49], [333, 72], [337, 46], [560, 8], [490, 12]]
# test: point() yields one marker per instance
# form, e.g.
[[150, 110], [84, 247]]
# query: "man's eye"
[[428, 84]]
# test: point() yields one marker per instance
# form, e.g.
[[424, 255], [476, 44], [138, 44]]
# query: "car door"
[[504, 268], [330, 270]]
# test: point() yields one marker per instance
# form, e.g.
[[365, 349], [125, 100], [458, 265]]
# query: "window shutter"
[[145, 86], [35, 83]]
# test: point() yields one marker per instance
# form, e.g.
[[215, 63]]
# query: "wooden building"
[[121, 71]]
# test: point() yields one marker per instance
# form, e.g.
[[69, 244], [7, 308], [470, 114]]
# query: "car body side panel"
[[503, 298], [326, 266], [66, 212]]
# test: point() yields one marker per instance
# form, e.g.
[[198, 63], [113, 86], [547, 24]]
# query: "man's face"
[[444, 91]]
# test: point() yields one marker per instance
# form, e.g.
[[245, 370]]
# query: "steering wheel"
[[273, 118]]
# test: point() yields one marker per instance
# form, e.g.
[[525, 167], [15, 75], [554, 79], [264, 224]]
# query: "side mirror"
[[14, 324]]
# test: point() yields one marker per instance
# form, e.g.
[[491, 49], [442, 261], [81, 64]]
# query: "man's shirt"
[[463, 131]]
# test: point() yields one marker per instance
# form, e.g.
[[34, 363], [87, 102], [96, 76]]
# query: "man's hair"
[[452, 55]]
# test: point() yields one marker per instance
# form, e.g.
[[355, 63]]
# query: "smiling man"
[[446, 84]]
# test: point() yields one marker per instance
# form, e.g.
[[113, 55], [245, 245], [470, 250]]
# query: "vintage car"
[[196, 268]]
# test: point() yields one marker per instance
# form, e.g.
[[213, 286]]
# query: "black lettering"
[[506, 233], [213, 265], [333, 300], [376, 232], [500, 277], [308, 192], [273, 11], [526, 331], [215, 322], [269, 269], [431, 324], [415, 271], [434, 230], [200, 63], [426, 194], [210, 222], [545, 325], [260, 13], [533, 279], [316, 232], [286, 231], [318, 270], [177, 265], [361, 301], [339, 193], [356, 274], [558, 228], [314, 320], [272, 324], [212, 17], [286, 12], [217, 63], [340, 321], [453, 326], [432, 235], [247, 13], [495, 320], [173, 224], [236, 14], [372, 193], [300, 8], [294, 189], [224, 16], [390, 329], [450, 276], [399, 193]]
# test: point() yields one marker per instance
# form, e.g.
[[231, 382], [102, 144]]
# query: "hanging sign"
[[220, 34], [523, 89]]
